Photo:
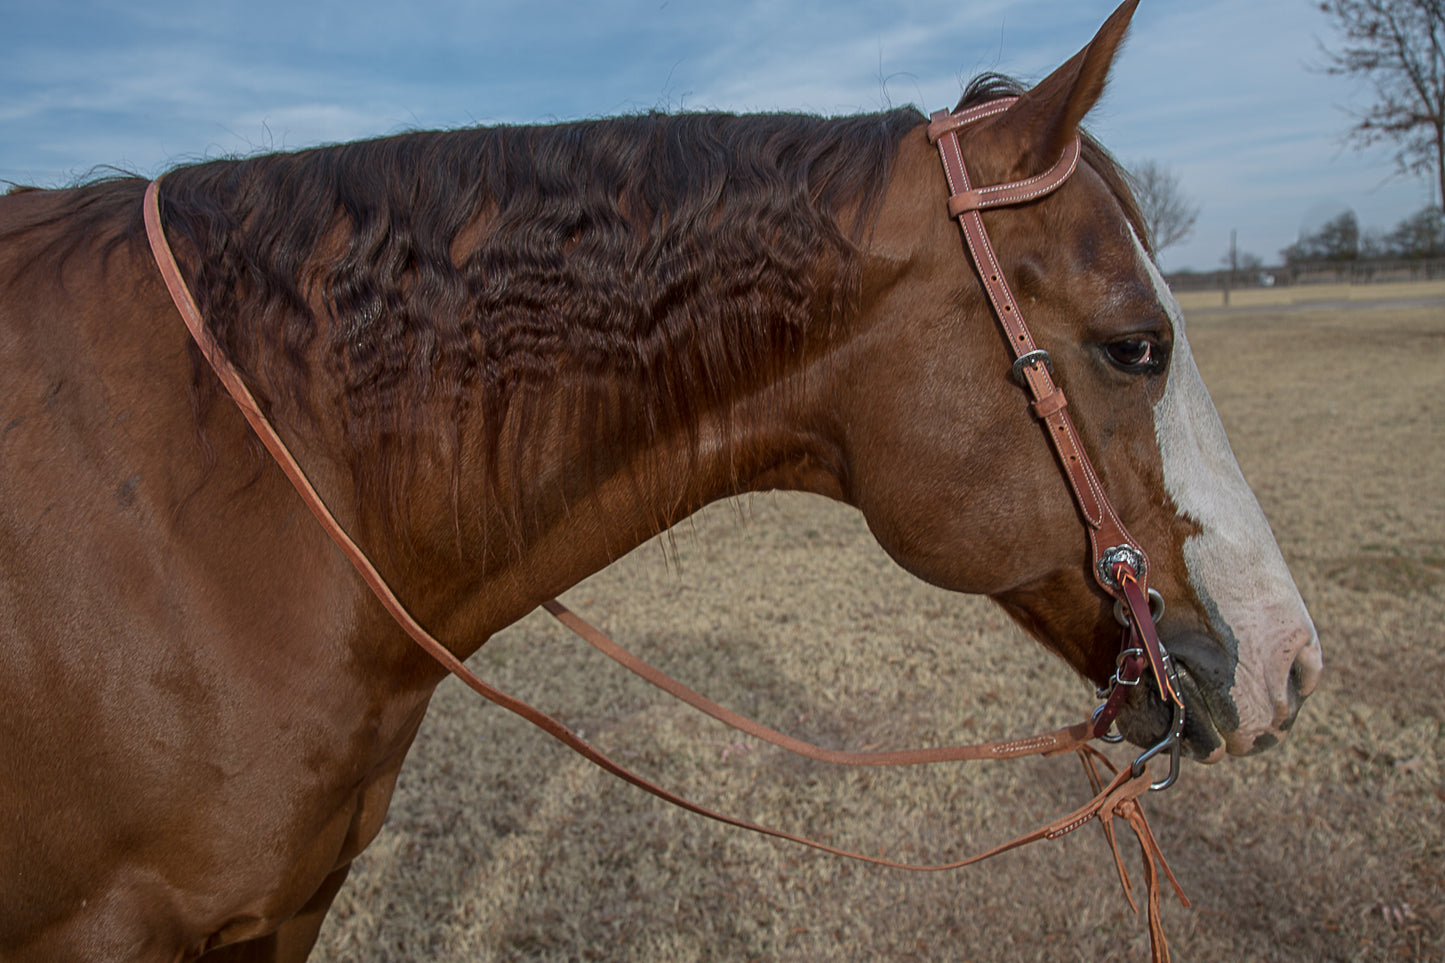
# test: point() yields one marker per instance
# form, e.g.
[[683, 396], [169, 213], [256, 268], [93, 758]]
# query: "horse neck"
[[666, 395], [573, 502], [578, 490]]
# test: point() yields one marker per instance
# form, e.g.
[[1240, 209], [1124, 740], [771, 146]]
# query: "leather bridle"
[[1119, 564]]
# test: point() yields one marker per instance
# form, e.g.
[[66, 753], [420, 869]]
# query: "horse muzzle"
[[1231, 708]]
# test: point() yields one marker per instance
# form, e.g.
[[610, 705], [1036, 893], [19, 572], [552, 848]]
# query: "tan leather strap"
[[962, 198], [1046, 744]]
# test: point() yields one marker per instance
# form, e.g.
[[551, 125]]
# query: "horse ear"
[[1046, 119]]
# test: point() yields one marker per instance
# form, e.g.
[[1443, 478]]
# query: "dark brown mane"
[[680, 256], [655, 265]]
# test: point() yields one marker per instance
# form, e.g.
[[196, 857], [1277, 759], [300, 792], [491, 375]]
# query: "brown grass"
[[502, 845]]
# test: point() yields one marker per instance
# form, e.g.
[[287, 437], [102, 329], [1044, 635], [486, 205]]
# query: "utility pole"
[[1233, 263]]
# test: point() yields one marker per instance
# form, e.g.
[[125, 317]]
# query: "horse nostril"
[[1304, 674], [1295, 693], [1264, 741]]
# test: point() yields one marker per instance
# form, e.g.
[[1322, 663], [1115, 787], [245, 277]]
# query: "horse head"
[[945, 468]]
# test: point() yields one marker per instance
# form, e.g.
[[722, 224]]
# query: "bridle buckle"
[[1028, 360]]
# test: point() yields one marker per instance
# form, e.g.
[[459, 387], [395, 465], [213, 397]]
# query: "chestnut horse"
[[507, 356]]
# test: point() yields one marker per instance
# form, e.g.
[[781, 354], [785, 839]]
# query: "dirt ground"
[[502, 845]]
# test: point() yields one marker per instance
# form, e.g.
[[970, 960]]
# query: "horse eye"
[[1133, 354]]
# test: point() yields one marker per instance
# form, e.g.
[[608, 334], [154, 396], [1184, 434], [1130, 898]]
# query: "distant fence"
[[1320, 272]]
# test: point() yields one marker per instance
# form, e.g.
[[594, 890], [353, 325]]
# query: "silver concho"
[[1126, 554]]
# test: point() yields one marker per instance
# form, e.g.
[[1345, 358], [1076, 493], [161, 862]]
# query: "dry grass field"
[[502, 845], [1315, 295]]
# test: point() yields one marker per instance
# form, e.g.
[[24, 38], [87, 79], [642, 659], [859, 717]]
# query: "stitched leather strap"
[[1119, 564], [963, 198]]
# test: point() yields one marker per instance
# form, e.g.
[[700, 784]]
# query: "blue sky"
[[1220, 91]]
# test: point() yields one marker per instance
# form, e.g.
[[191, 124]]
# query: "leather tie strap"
[[1142, 624]]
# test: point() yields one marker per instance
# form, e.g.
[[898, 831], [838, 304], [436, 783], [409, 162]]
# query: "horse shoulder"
[[189, 739]]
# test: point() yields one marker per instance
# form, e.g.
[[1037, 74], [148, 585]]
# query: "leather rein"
[[1119, 565]]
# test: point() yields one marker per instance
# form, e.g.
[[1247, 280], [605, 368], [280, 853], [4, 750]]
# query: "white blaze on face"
[[1235, 566]]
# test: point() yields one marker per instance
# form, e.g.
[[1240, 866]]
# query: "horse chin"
[[1145, 719]]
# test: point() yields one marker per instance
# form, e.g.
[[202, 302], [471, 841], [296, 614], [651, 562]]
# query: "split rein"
[[1120, 566]]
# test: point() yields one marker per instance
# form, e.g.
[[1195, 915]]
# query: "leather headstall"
[[1119, 564]]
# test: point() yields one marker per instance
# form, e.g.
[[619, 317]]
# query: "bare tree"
[[1167, 210], [1399, 47], [1421, 235]]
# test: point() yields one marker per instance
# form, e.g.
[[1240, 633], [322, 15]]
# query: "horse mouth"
[[1202, 737], [1146, 718]]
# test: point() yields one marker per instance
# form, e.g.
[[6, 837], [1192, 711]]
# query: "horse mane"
[[651, 266]]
